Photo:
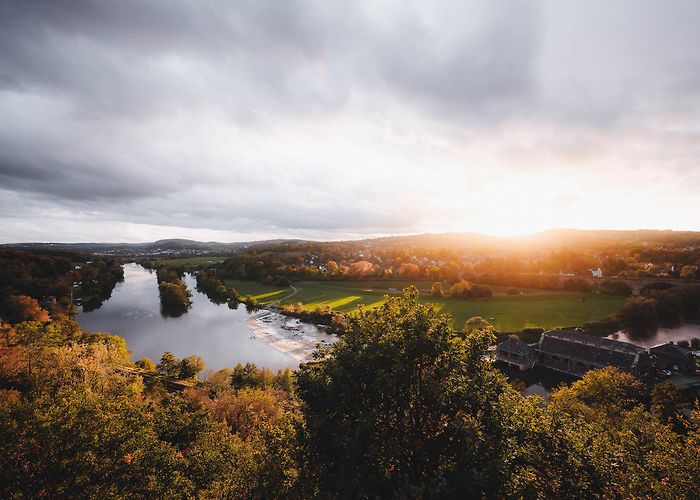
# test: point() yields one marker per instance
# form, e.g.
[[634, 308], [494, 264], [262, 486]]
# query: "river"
[[686, 331], [219, 335]]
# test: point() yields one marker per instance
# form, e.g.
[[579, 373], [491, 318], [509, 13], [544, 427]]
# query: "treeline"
[[445, 258], [643, 314], [174, 295], [401, 406], [96, 281], [54, 280], [215, 289], [321, 315]]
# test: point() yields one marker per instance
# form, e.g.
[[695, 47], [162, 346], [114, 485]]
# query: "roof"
[[671, 348], [599, 342], [514, 345], [594, 350]]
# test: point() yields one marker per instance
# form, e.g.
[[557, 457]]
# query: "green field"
[[546, 309]]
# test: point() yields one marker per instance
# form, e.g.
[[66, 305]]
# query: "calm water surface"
[[660, 336], [216, 333]]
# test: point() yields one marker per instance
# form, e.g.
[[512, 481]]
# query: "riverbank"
[[288, 335]]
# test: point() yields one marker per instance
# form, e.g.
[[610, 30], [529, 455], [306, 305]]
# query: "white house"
[[597, 273]]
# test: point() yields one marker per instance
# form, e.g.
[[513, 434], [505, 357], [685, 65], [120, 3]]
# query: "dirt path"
[[295, 290]]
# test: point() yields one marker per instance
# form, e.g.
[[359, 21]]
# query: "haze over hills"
[[555, 238]]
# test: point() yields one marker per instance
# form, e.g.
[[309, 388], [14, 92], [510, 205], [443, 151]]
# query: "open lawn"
[[262, 293], [546, 309]]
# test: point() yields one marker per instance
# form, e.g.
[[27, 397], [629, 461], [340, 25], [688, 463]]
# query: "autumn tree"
[[190, 367], [24, 308], [169, 365], [478, 324], [146, 363], [397, 405]]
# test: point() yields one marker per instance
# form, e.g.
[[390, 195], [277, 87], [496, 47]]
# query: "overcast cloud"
[[135, 120]]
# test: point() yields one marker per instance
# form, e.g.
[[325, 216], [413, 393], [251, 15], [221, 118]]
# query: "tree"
[[639, 313], [360, 269], [169, 365], [667, 403], [24, 308], [409, 270], [607, 390], [436, 290], [284, 381], [146, 364], [244, 376], [461, 288], [689, 272], [190, 367], [478, 324], [397, 405]]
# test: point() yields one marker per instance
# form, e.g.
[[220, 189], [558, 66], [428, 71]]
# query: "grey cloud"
[[147, 111], [71, 181], [301, 57]]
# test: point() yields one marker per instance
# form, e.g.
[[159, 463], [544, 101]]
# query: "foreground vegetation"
[[402, 406]]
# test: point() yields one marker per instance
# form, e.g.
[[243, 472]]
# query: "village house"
[[596, 273], [515, 352]]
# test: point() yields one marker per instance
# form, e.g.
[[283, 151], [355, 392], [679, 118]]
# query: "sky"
[[136, 120]]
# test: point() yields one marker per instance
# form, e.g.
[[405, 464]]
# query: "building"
[[672, 357], [596, 273], [515, 352], [576, 353]]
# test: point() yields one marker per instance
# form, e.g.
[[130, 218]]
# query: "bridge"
[[636, 285]]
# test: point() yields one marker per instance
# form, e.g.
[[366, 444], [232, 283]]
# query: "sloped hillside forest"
[[402, 406]]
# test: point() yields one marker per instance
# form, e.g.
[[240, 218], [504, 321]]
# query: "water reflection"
[[217, 333], [686, 331]]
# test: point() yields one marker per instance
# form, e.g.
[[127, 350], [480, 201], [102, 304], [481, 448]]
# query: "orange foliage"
[[409, 270], [25, 308], [360, 269]]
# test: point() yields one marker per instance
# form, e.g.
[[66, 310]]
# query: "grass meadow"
[[542, 308]]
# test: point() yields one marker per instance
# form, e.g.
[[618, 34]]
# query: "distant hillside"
[[160, 247], [467, 241]]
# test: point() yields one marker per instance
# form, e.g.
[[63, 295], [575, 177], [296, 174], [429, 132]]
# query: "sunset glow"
[[502, 121]]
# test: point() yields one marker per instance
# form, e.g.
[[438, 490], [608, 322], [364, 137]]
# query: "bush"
[[614, 288], [576, 285], [605, 326], [436, 290], [468, 291], [146, 364], [639, 313]]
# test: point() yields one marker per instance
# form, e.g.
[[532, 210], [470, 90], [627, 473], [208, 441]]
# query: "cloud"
[[328, 118]]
